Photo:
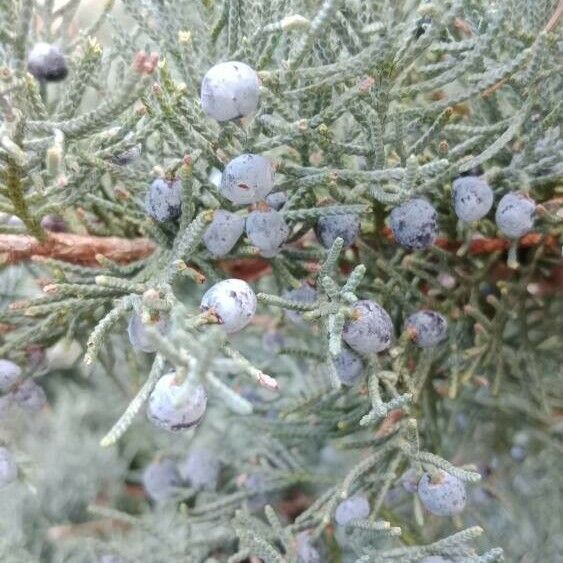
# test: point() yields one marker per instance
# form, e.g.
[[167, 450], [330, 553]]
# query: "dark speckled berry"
[[233, 301], [276, 200], [445, 496], [128, 156], [46, 62], [171, 409], [415, 224], [472, 198], [371, 331], [422, 25], [349, 366], [515, 215], [428, 328], [164, 200], [54, 223], [248, 178], [330, 227], [223, 233], [267, 230]]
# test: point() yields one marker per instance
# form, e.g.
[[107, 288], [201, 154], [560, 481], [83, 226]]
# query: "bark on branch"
[[82, 249], [75, 249]]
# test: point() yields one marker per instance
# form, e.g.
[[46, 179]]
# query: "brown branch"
[[489, 245], [82, 249], [93, 529], [75, 249], [550, 26], [249, 269]]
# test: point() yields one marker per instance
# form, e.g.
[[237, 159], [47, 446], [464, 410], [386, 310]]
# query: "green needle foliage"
[[363, 104]]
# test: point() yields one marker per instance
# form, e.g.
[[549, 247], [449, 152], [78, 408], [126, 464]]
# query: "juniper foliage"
[[364, 104]]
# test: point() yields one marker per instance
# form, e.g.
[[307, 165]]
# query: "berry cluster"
[[415, 223], [332, 154], [231, 91]]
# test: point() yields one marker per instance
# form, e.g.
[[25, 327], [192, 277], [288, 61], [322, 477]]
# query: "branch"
[[249, 269], [550, 26], [93, 529], [76, 249], [82, 249], [489, 245]]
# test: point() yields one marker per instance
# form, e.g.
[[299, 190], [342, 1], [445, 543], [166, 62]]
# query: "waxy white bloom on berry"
[[223, 233], [230, 90], [248, 178], [515, 215], [138, 333], [233, 302], [372, 329], [46, 62], [169, 408], [353, 508], [428, 328], [330, 227], [267, 230], [444, 496], [9, 374], [163, 201], [415, 224], [472, 198], [349, 366]]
